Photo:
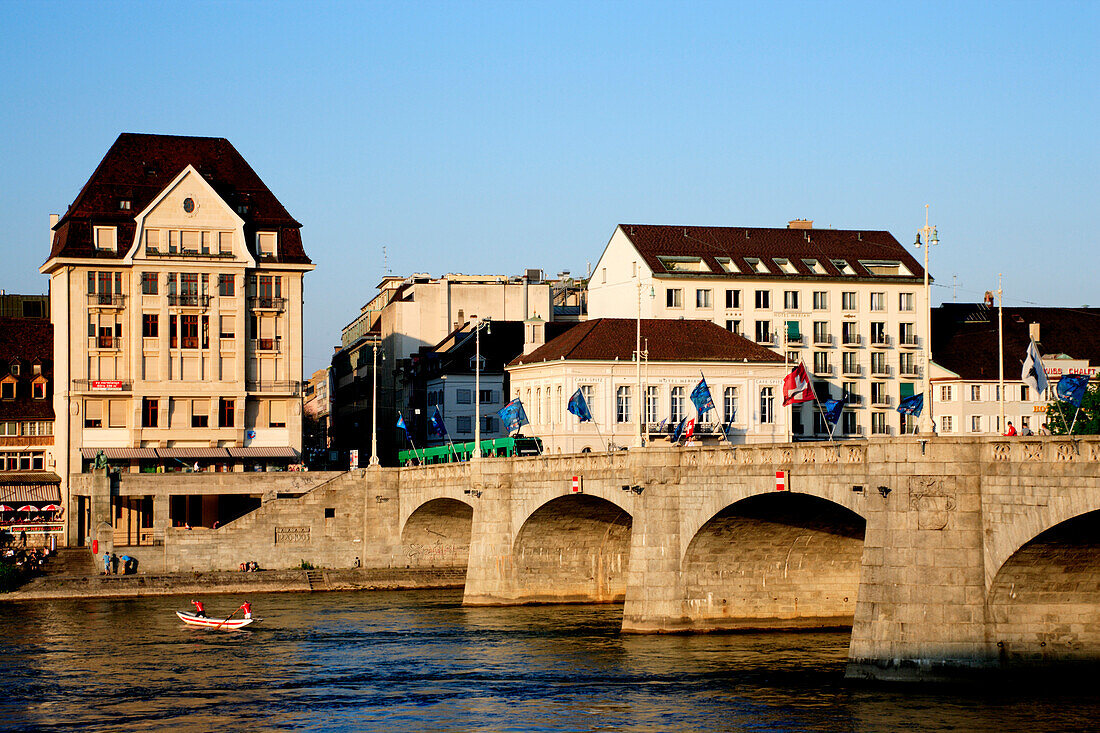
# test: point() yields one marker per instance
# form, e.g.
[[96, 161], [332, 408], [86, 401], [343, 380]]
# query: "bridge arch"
[[1044, 602], [573, 549], [774, 560], [437, 534]]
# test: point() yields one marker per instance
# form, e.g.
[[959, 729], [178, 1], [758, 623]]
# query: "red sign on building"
[[107, 384]]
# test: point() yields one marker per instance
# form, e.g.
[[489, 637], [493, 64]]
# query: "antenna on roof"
[[385, 261]]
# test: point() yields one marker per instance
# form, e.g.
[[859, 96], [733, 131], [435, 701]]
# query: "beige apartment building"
[[849, 304], [176, 284]]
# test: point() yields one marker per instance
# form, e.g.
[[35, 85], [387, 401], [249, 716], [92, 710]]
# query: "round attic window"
[[189, 205]]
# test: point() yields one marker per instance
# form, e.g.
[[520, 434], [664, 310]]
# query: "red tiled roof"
[[964, 337], [737, 243], [139, 166], [603, 339], [26, 340]]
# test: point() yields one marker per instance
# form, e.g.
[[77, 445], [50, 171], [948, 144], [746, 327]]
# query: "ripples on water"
[[419, 661]]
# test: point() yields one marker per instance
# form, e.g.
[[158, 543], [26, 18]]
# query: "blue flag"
[[401, 423], [579, 407], [438, 427], [912, 405], [833, 410], [679, 430], [1071, 388], [513, 416], [700, 397]]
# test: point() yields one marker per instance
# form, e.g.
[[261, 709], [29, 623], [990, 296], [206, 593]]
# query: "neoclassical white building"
[[597, 358], [850, 304]]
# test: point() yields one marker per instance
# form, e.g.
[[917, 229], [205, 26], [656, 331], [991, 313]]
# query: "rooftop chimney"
[[534, 334], [53, 223], [800, 224], [1033, 331]]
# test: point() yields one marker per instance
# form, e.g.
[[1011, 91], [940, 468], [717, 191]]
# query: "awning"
[[18, 487], [119, 453], [192, 453], [263, 452]]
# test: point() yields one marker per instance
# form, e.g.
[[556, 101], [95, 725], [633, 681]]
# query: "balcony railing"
[[909, 370], [880, 401], [909, 342], [823, 339], [106, 300], [853, 399], [824, 370], [105, 343], [293, 387], [795, 340], [189, 300], [880, 370], [880, 341], [263, 302], [190, 253], [852, 370], [852, 339], [273, 344], [103, 385]]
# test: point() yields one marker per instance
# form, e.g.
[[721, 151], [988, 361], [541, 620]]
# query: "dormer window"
[[814, 266], [242, 209], [7, 388], [105, 239], [727, 265], [265, 244], [885, 267], [785, 265], [683, 264], [124, 204], [758, 265], [844, 267], [15, 368], [481, 363], [38, 389]]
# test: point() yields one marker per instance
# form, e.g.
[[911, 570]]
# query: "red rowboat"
[[213, 623]]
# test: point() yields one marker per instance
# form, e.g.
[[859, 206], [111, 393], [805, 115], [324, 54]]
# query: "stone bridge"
[[938, 553]]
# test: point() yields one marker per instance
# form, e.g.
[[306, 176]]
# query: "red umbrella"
[[51, 508], [28, 508], [6, 508]]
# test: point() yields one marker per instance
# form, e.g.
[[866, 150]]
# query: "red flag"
[[690, 429], [796, 386]]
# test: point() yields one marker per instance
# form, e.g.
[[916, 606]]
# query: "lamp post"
[[374, 407], [931, 238], [476, 456], [639, 437]]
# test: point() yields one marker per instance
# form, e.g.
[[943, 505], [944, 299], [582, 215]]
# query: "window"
[[200, 413], [14, 369], [148, 412], [878, 334], [878, 364], [793, 357], [729, 404], [821, 362], [277, 414], [947, 424], [226, 409], [878, 423], [485, 396], [651, 397], [622, 404], [907, 336], [733, 326], [878, 301], [676, 405], [226, 285], [850, 362], [879, 394], [733, 298], [848, 423], [905, 302], [849, 393], [148, 283], [849, 331], [105, 238], [848, 300], [463, 424], [225, 242], [588, 392], [764, 332], [793, 331], [790, 300], [764, 299], [821, 333], [797, 427], [265, 244], [225, 327], [488, 424], [767, 405], [9, 428], [93, 413], [464, 396], [150, 326], [7, 390], [38, 390], [702, 298], [674, 298], [821, 300], [908, 364], [189, 327], [172, 321], [945, 393]]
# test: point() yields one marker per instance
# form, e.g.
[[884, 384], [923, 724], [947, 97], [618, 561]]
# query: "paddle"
[[226, 619]]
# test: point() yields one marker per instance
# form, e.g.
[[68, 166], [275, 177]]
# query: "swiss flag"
[[796, 386], [690, 431]]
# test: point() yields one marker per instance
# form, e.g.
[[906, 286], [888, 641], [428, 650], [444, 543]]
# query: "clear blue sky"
[[490, 137]]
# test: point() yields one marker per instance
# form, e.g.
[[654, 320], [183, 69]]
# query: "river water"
[[420, 661]]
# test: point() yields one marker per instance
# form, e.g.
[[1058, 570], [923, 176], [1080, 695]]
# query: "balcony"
[[795, 340], [264, 302], [823, 370], [105, 343], [188, 254], [823, 339], [880, 341], [909, 370], [852, 339], [880, 400], [852, 370], [880, 370], [291, 387], [189, 300], [853, 399], [106, 300], [274, 344], [909, 341]]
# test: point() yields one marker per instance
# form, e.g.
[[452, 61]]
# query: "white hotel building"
[[850, 304]]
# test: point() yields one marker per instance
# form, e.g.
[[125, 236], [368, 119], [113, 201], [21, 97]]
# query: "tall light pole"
[[374, 407], [1001, 353], [476, 456], [931, 238], [639, 437]]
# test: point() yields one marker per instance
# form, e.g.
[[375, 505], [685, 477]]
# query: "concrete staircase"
[[316, 580], [71, 561]]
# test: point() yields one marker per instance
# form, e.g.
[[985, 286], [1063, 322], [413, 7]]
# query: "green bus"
[[458, 452]]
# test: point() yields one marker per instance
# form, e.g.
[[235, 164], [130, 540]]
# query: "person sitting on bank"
[[199, 610], [1011, 429], [1025, 430]]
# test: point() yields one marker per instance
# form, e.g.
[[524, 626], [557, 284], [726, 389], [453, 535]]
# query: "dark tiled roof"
[[737, 243], [139, 166], [964, 337], [26, 340], [603, 339]]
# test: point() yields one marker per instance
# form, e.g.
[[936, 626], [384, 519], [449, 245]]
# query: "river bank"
[[263, 581]]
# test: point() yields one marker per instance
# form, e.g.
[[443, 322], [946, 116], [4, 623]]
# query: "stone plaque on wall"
[[933, 499], [292, 535]]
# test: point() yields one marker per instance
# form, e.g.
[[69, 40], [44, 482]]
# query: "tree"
[[1088, 419]]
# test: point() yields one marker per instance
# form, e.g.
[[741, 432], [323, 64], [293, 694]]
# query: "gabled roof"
[[964, 337], [795, 245], [606, 339], [139, 166], [26, 341]]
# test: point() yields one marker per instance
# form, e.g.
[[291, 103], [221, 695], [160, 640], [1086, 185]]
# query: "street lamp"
[[639, 437], [477, 384], [931, 238], [374, 406]]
